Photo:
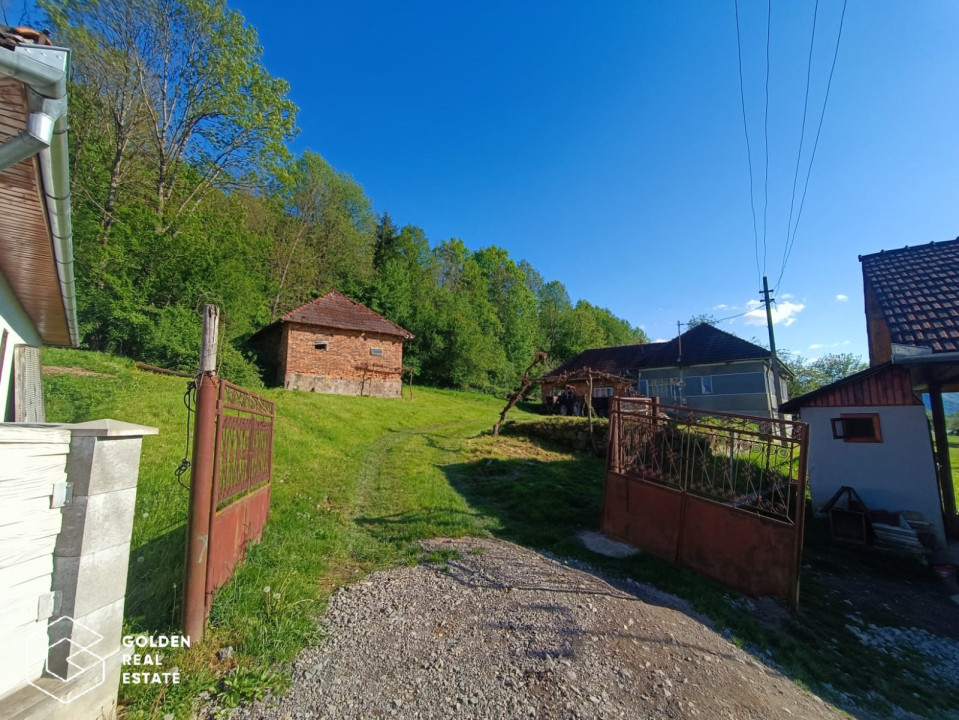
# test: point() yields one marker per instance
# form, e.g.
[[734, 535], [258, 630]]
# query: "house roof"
[[335, 310], [917, 289], [700, 345], [36, 244], [885, 384]]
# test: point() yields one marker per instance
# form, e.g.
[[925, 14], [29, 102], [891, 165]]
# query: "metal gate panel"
[[751, 553], [231, 530], [720, 493], [660, 508]]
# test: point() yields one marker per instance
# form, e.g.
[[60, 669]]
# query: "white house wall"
[[33, 461], [20, 331], [896, 474]]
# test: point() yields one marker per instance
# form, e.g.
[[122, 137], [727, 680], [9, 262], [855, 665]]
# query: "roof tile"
[[338, 311], [916, 288]]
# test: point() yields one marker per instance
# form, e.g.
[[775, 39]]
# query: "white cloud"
[[829, 346], [721, 306], [661, 340], [783, 313], [842, 298], [786, 296]]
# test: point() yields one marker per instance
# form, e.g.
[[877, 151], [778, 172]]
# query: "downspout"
[[44, 70]]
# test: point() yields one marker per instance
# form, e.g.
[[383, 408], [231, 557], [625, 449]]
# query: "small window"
[[707, 385], [601, 392], [321, 346], [855, 427], [642, 386], [376, 351]]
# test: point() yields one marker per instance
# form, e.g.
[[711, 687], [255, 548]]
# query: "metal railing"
[[749, 463]]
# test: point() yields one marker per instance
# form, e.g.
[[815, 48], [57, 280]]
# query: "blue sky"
[[603, 141]]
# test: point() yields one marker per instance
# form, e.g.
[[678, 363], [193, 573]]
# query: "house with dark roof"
[[912, 319], [704, 367], [334, 345]]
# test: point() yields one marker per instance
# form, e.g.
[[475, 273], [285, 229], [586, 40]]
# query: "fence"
[[720, 493], [229, 491]]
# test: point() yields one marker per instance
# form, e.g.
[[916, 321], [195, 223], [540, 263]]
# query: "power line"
[[802, 136], [769, 19], [749, 156], [812, 158]]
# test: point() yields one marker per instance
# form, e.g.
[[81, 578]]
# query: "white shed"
[[869, 431]]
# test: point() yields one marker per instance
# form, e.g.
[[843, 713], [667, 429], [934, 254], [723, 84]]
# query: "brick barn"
[[334, 345]]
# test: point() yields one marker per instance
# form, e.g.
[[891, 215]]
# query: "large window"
[[857, 427]]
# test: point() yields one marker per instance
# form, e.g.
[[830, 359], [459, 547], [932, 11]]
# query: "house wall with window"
[[344, 362], [737, 387], [884, 452]]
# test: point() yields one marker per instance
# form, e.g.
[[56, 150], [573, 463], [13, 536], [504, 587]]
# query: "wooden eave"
[[26, 243]]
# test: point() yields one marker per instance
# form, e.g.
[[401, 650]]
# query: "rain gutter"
[[44, 70]]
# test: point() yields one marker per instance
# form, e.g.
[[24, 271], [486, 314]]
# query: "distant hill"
[[950, 402]]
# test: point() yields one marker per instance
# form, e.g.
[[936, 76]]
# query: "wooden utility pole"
[[767, 301], [201, 481], [211, 328]]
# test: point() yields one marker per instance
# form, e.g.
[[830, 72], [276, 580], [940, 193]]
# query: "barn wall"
[[895, 474], [346, 366]]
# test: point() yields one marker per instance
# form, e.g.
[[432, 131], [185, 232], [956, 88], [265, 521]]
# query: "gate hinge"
[[48, 605], [62, 494]]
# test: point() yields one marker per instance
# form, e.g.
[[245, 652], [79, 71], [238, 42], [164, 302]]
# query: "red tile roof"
[[338, 311], [918, 291]]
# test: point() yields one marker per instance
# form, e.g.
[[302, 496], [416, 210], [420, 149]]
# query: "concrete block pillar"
[[90, 560]]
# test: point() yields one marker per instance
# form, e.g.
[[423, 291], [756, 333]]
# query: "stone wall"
[[331, 360]]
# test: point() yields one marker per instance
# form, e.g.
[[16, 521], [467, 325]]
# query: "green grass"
[[356, 482], [954, 464]]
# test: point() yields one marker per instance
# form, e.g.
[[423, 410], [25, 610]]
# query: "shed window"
[[321, 346], [857, 427], [376, 351]]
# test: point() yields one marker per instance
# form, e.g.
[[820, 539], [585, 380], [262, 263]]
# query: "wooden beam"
[[942, 457]]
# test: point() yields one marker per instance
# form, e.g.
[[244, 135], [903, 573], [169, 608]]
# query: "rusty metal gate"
[[229, 490], [242, 466], [722, 494]]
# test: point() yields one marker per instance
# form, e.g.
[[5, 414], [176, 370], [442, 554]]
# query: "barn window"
[[321, 346], [376, 351], [857, 427]]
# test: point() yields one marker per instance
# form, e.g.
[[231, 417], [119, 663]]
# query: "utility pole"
[[679, 362], [767, 301], [195, 605]]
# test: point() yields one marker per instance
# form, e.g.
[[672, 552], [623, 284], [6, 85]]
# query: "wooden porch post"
[[942, 459]]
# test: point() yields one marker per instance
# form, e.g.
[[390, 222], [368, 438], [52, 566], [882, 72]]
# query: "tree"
[[702, 319], [184, 84], [326, 239], [813, 374]]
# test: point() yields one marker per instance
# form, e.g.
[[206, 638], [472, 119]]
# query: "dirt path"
[[499, 631]]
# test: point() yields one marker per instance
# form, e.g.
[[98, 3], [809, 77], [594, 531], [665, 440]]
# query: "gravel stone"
[[502, 632]]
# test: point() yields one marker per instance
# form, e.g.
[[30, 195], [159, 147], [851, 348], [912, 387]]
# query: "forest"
[[186, 192]]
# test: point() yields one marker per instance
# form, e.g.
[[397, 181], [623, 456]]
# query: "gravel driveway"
[[504, 632]]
